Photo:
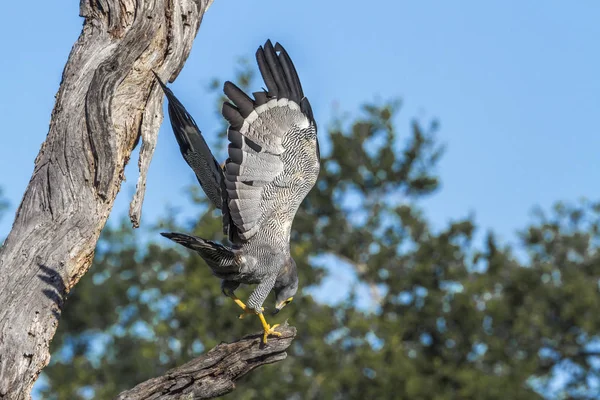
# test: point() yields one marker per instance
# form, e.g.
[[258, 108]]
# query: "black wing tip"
[[279, 47], [169, 235], [160, 82], [307, 109], [232, 114], [228, 85], [242, 101], [236, 155], [280, 71], [235, 138], [265, 72], [169, 93]]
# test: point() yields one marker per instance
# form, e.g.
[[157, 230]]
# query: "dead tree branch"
[[214, 374], [106, 103]]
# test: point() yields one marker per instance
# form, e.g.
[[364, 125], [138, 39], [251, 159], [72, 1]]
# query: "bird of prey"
[[273, 163]]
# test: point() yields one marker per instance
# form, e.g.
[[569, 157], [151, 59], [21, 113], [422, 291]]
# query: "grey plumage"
[[197, 154], [194, 149], [273, 163], [221, 259]]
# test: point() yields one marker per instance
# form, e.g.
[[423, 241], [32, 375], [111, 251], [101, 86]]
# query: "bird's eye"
[[289, 300]]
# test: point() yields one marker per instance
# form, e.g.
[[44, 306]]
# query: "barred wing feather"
[[273, 145], [193, 147], [198, 156]]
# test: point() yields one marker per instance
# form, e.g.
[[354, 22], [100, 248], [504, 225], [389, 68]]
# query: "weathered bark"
[[214, 374], [107, 100]]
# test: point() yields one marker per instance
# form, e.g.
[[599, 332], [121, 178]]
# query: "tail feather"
[[221, 259]]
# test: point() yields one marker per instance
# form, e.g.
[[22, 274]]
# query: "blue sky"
[[514, 85]]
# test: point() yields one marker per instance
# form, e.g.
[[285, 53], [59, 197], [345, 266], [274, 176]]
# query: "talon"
[[269, 330], [244, 307], [247, 311]]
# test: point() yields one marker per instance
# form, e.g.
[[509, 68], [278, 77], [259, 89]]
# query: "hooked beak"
[[278, 308]]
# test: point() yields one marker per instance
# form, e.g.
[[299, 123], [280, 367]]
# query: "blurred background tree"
[[446, 318], [3, 203]]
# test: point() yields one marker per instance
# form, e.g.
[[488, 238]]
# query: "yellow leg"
[[269, 330], [244, 307], [239, 302]]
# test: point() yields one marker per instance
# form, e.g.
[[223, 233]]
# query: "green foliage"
[[449, 319]]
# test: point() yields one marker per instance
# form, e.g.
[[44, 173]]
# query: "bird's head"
[[286, 285]]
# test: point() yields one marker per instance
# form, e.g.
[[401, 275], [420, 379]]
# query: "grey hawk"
[[273, 163]]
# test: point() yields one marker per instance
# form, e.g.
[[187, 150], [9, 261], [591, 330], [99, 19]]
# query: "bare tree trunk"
[[107, 100], [214, 374]]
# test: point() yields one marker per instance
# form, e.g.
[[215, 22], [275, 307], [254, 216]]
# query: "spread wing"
[[273, 155], [197, 155], [194, 148]]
